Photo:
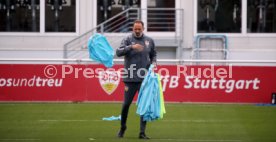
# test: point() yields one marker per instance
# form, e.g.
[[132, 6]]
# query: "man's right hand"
[[137, 47]]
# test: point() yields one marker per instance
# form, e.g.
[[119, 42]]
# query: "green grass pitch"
[[82, 122]]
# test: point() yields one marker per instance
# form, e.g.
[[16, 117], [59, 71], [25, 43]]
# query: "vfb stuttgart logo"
[[109, 81]]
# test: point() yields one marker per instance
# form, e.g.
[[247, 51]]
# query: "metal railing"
[[155, 19], [120, 61], [74, 48], [164, 20], [210, 47]]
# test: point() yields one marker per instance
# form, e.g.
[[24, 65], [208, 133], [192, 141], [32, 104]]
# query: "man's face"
[[138, 29]]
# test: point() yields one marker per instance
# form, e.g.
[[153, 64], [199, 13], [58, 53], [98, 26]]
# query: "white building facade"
[[40, 28]]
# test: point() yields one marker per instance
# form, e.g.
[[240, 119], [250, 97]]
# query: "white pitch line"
[[196, 121], [67, 120], [19, 139], [184, 120], [194, 140]]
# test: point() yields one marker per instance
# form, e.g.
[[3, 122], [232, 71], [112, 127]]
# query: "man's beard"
[[138, 34]]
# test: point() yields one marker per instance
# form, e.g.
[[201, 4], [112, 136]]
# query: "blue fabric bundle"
[[112, 118], [100, 50], [150, 101]]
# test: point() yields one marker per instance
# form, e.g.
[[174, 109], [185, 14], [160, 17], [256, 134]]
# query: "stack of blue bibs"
[[150, 101]]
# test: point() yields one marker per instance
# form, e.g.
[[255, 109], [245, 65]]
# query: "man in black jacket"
[[139, 52]]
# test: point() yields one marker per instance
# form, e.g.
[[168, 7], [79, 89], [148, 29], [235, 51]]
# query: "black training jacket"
[[136, 63]]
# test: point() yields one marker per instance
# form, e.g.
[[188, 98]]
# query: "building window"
[[219, 16], [19, 15], [109, 8], [261, 16], [60, 16], [163, 18]]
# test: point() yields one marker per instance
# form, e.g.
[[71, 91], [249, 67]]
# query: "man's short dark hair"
[[138, 22]]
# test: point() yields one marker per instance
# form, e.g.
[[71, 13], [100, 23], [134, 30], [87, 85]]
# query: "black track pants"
[[131, 88]]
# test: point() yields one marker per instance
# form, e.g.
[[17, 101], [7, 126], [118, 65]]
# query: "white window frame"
[[144, 5], [42, 25], [243, 33], [95, 14]]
